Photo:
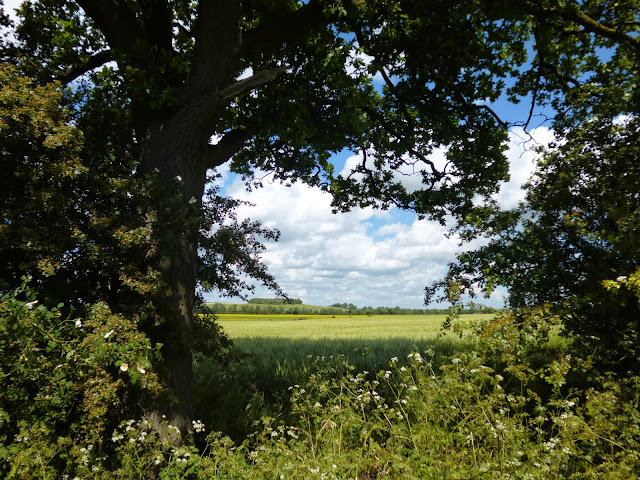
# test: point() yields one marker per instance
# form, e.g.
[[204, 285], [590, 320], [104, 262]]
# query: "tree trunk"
[[173, 154]]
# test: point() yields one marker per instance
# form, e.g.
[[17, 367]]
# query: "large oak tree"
[[157, 87]]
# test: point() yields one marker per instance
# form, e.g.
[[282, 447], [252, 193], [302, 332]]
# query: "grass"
[[281, 351], [282, 348], [325, 327]]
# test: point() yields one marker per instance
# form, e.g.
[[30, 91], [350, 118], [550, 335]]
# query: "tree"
[[155, 87], [573, 245]]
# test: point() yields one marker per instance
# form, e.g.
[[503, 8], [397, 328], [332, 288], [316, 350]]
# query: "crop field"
[[282, 348], [336, 327]]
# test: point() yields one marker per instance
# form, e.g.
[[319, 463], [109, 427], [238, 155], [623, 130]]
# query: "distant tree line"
[[275, 301], [260, 308]]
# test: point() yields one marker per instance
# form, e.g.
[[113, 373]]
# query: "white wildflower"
[[78, 323], [109, 333], [621, 278], [141, 370], [30, 305], [178, 178], [124, 367], [198, 426]]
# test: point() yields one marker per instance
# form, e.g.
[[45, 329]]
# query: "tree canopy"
[[160, 93]]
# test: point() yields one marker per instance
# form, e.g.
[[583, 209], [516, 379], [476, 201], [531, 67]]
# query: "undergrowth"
[[513, 405]]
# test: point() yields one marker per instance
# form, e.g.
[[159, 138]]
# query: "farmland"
[[282, 350], [281, 347], [314, 327]]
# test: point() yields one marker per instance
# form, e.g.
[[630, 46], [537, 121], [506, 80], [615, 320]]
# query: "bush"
[[65, 383], [518, 405]]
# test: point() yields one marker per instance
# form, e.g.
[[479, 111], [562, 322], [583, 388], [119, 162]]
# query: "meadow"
[[282, 347], [356, 327], [395, 397], [280, 350]]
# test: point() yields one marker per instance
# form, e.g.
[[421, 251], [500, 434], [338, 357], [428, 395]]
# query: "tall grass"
[[281, 348], [281, 351]]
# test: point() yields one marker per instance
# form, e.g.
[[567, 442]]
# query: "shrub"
[[65, 383]]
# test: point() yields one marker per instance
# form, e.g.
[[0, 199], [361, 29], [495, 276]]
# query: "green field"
[[282, 350], [336, 327], [283, 347]]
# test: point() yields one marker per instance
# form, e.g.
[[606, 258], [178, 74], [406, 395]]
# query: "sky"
[[364, 257]]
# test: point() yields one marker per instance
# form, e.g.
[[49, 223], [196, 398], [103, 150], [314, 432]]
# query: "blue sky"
[[365, 257]]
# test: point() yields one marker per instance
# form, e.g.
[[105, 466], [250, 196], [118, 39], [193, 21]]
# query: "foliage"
[[336, 309], [40, 155], [118, 215], [72, 218], [275, 301], [572, 248], [65, 382], [514, 407], [230, 250]]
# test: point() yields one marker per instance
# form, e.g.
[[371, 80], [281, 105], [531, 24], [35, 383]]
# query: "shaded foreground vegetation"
[[503, 401]]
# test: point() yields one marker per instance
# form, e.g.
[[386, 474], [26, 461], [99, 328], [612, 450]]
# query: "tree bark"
[[174, 153]]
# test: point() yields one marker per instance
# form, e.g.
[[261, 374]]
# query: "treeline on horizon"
[[268, 306]]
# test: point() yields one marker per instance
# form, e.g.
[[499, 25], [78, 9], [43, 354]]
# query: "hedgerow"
[[515, 405]]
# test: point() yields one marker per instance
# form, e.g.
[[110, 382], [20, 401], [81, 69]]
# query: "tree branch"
[[256, 80], [285, 28], [157, 22], [227, 147], [96, 60], [115, 20], [589, 24], [217, 44], [599, 29]]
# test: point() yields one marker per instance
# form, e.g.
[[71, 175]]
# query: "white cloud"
[[325, 258], [522, 162], [10, 7], [366, 257], [245, 74], [408, 175]]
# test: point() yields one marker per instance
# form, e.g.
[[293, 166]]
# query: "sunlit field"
[[282, 350], [336, 327], [284, 345]]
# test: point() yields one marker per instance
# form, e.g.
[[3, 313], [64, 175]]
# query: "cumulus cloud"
[[409, 174], [10, 6], [365, 257]]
